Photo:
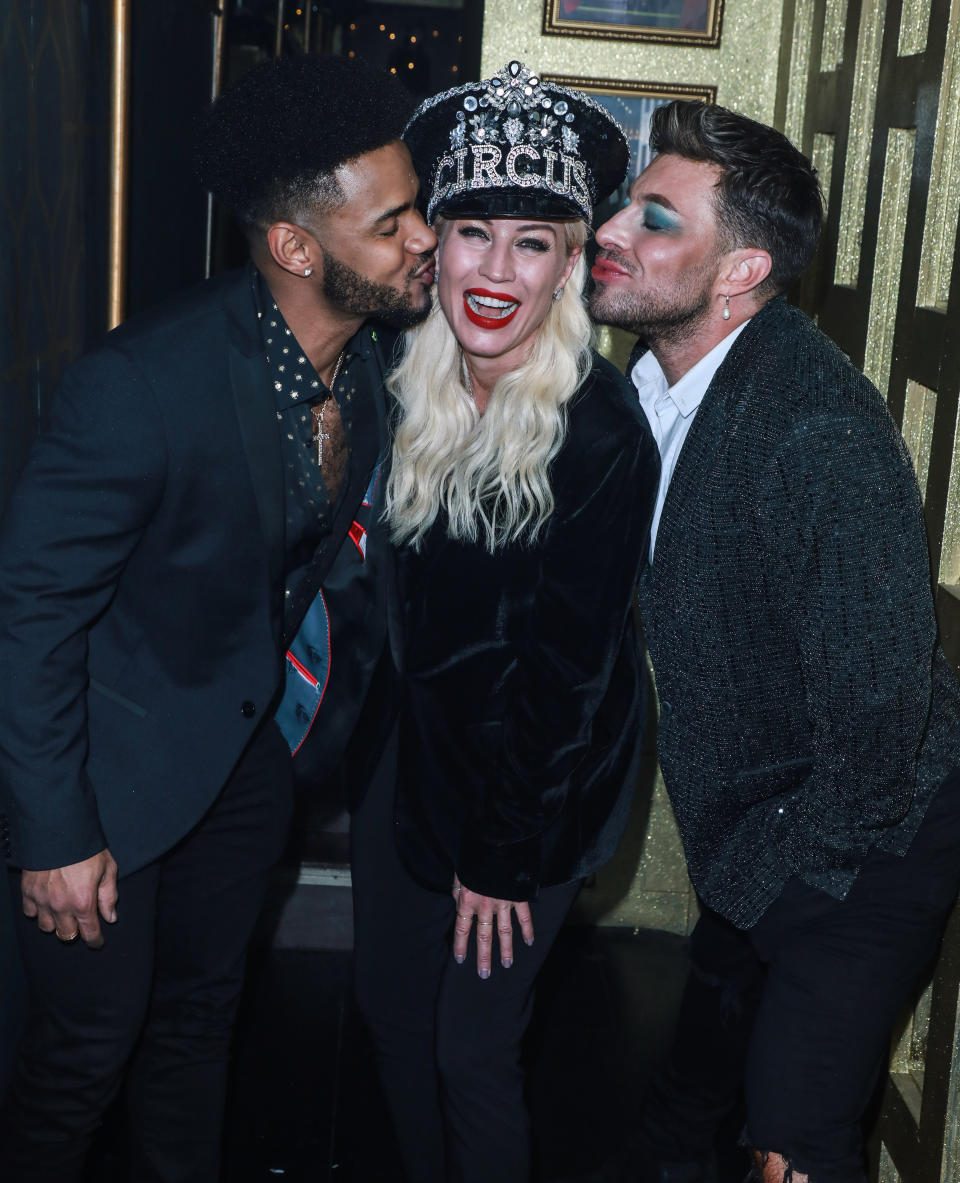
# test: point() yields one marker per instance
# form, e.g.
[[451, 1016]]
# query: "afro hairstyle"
[[267, 148]]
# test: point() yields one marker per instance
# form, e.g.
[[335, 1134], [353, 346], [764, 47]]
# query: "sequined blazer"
[[807, 711]]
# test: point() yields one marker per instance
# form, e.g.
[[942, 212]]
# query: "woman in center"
[[519, 500]]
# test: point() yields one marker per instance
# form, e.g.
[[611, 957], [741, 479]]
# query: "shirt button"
[[248, 709]]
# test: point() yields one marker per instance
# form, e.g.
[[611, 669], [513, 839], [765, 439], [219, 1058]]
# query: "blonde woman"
[[519, 500]]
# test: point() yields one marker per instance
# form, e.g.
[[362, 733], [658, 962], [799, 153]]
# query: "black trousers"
[[799, 1008], [161, 996], [447, 1042]]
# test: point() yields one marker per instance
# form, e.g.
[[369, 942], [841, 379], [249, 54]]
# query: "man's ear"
[[292, 248], [742, 270]]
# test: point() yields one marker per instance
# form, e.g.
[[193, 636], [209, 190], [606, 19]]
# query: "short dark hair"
[[268, 147], [768, 196]]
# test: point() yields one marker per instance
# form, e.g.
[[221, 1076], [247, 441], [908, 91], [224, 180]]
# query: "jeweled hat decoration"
[[516, 146]]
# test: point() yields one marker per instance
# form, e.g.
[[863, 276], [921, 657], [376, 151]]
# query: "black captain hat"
[[516, 146]]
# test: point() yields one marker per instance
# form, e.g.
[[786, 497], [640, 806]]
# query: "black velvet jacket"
[[523, 691], [807, 712]]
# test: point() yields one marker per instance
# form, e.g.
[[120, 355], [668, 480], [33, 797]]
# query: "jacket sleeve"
[[591, 558], [91, 484], [844, 521]]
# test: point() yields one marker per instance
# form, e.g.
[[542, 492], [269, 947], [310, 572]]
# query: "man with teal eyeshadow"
[[809, 730]]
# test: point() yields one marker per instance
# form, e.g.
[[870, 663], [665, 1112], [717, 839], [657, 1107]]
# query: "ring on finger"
[[484, 922], [462, 917], [66, 940]]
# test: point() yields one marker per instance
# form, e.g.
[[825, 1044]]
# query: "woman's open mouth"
[[489, 310]]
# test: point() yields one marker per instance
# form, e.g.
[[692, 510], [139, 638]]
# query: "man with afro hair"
[[187, 592]]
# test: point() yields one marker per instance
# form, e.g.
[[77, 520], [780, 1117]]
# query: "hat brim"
[[510, 203]]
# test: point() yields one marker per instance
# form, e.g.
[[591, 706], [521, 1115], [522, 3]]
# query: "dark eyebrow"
[[393, 213], [660, 200]]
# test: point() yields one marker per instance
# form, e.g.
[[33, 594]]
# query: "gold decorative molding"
[[834, 31], [216, 73], [862, 111], [822, 160], [657, 90], [943, 202], [950, 1163], [910, 1045], [888, 260], [799, 71], [119, 162], [914, 25], [888, 1172], [278, 31], [950, 552], [919, 412]]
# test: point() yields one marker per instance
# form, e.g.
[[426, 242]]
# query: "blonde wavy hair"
[[489, 472]]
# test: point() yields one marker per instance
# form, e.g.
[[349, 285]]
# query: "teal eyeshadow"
[[656, 215]]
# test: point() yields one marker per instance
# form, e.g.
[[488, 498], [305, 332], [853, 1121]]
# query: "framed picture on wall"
[[631, 104], [674, 22]]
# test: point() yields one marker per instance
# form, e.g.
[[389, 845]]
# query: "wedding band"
[[66, 940], [484, 922], [462, 917]]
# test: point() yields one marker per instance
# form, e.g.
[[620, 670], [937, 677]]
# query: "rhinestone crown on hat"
[[531, 113], [512, 113]]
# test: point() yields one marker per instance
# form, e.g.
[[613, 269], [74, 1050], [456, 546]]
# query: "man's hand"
[[70, 900], [490, 914]]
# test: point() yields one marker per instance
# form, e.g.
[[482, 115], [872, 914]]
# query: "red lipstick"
[[489, 322]]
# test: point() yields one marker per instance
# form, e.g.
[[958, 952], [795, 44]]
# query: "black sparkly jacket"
[[807, 712], [522, 680]]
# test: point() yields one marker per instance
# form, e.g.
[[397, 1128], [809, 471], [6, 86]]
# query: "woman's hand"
[[491, 915]]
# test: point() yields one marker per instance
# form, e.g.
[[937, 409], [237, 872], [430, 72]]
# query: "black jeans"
[[800, 1007], [160, 995], [447, 1042]]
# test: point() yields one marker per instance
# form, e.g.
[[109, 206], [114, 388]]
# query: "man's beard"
[[657, 317], [351, 292]]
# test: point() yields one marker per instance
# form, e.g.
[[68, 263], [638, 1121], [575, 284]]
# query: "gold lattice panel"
[[870, 91]]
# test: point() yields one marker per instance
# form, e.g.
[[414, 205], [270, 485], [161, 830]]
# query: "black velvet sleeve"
[[605, 483]]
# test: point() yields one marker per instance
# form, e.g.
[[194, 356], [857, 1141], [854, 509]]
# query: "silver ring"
[[484, 922]]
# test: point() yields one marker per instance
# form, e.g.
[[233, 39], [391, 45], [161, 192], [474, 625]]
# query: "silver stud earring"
[[558, 294], [726, 308], [307, 272]]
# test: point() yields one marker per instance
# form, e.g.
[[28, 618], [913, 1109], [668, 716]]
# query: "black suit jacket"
[[807, 712], [141, 586]]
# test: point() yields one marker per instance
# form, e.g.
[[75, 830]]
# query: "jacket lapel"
[[250, 380], [709, 432]]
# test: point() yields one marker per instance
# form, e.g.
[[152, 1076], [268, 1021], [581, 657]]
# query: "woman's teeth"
[[489, 306]]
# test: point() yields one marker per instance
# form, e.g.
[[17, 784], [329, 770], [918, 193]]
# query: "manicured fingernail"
[[459, 959], [528, 940], [507, 962], [484, 973]]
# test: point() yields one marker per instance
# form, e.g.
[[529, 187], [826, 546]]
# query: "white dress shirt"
[[671, 409]]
